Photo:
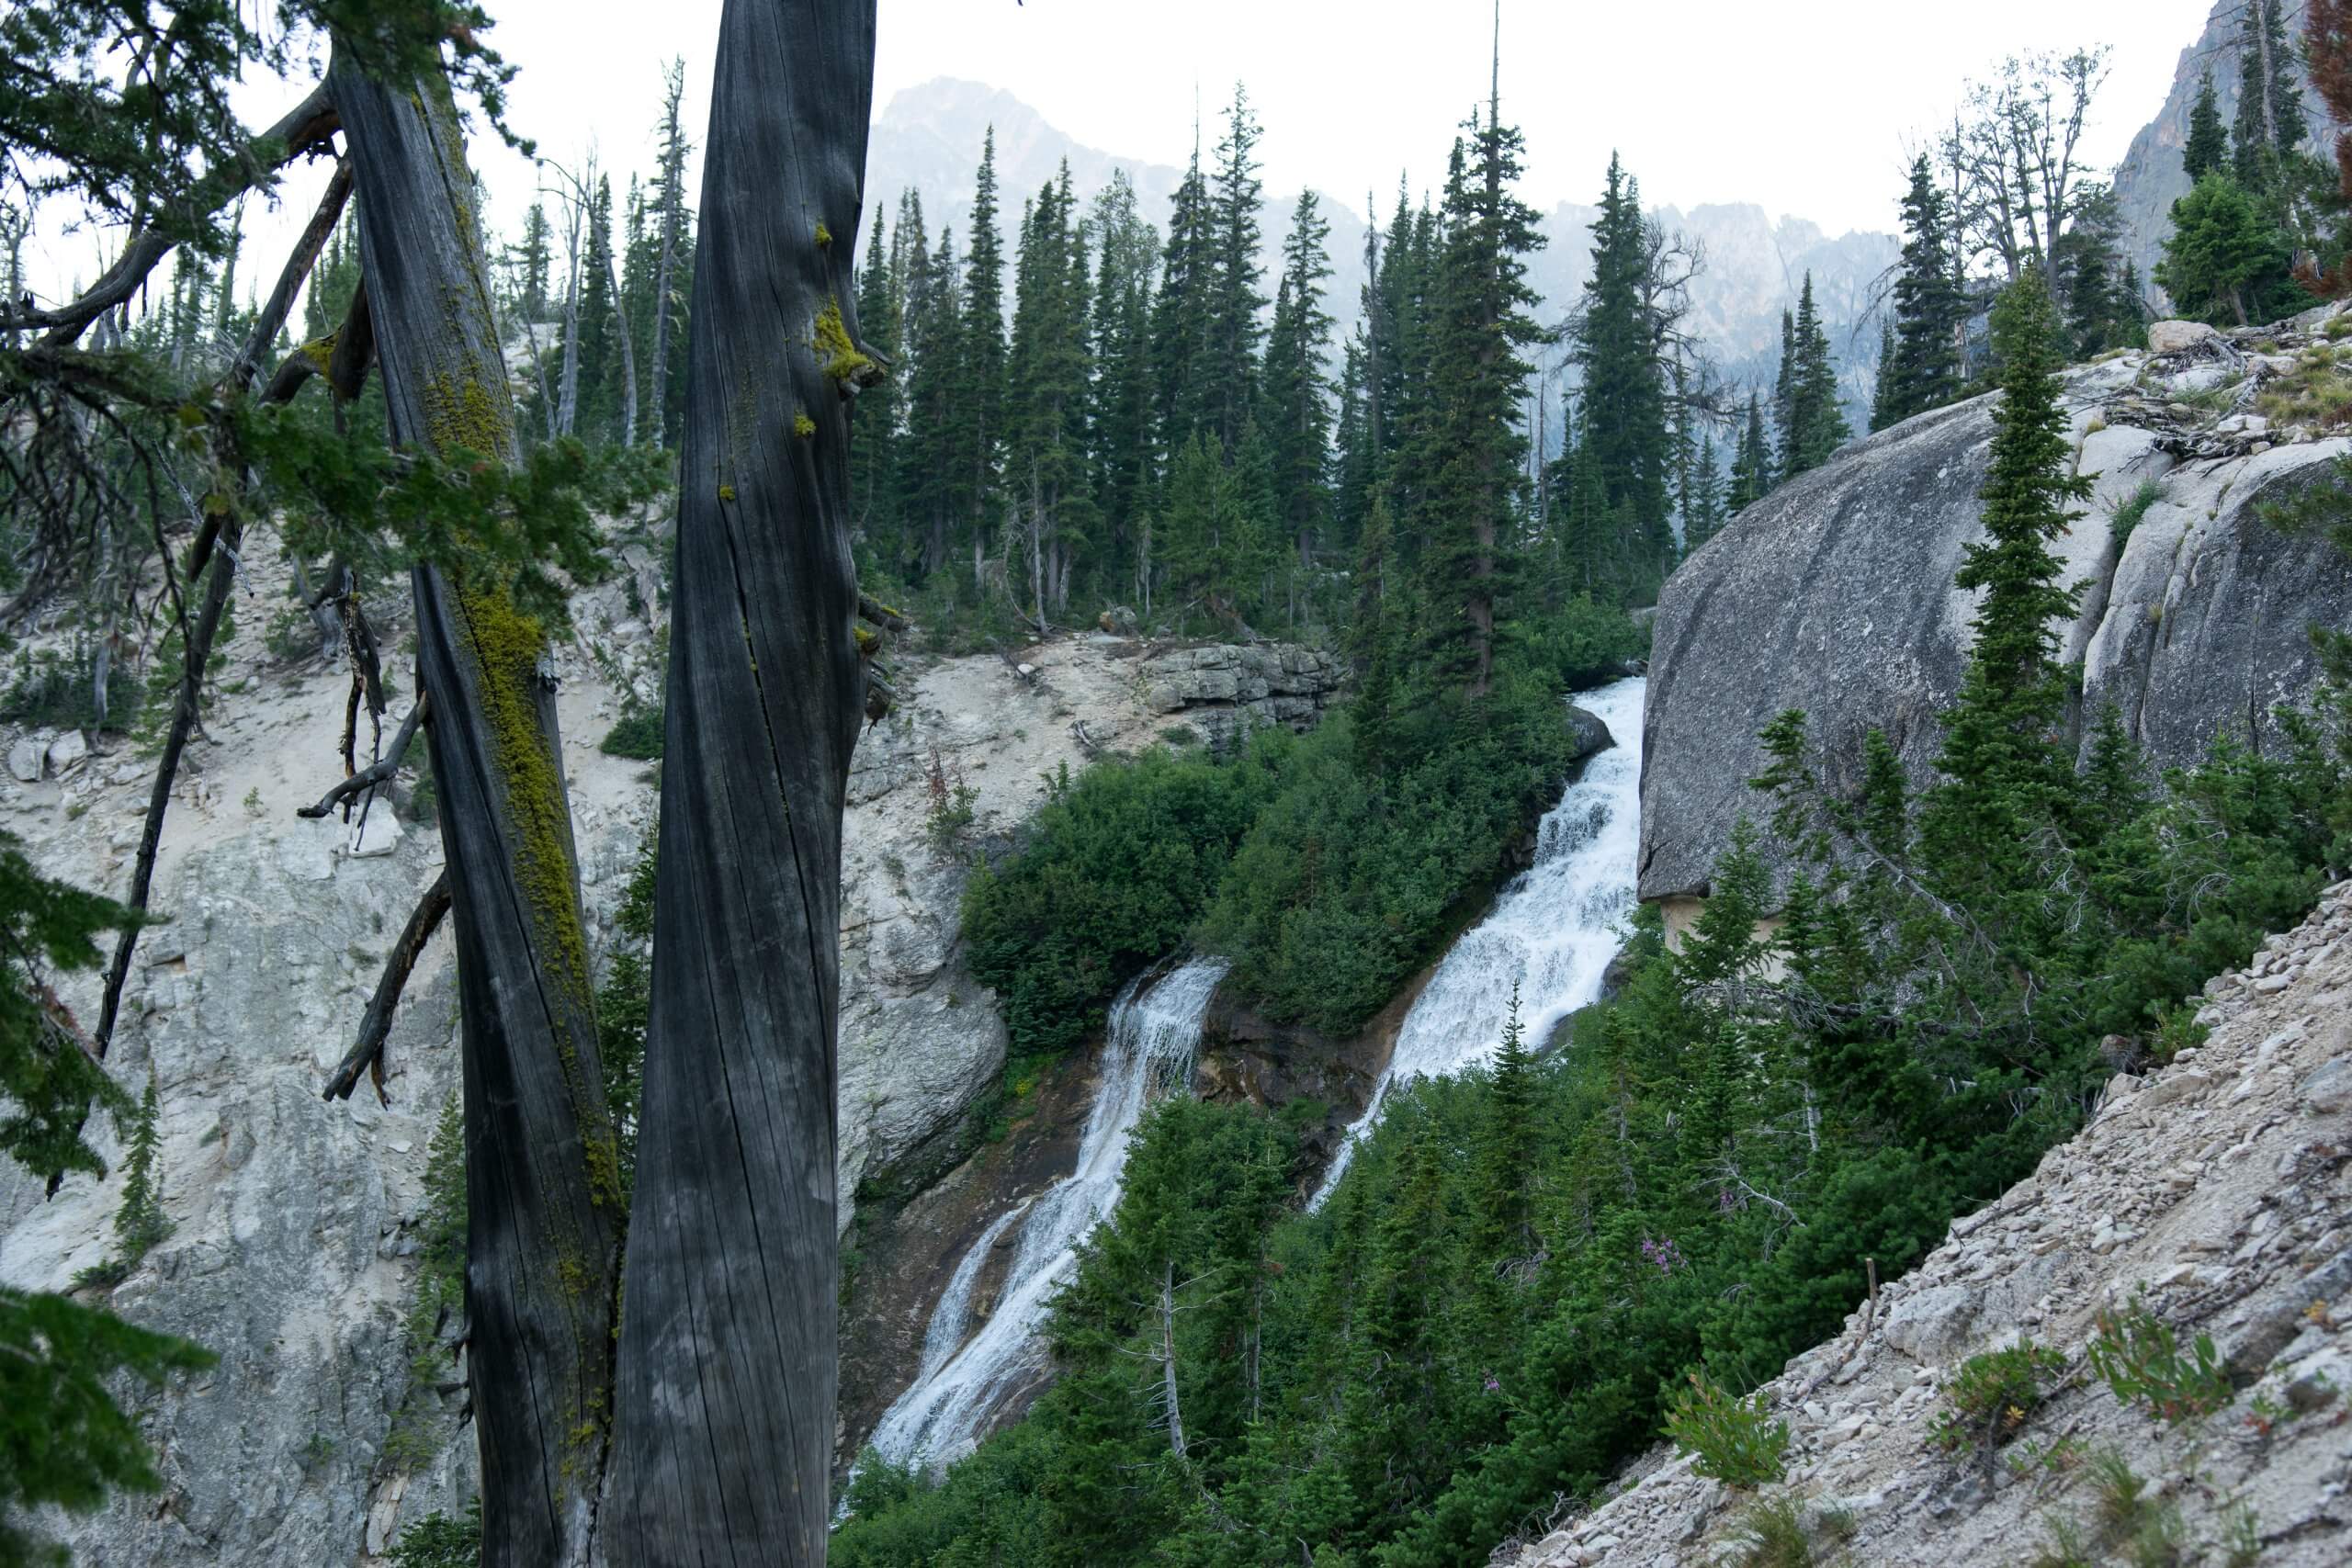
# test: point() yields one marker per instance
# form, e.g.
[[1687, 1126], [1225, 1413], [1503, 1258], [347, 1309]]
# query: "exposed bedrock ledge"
[[1835, 595]]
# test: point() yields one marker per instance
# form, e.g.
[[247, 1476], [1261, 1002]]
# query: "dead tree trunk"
[[728, 1356], [541, 1173]]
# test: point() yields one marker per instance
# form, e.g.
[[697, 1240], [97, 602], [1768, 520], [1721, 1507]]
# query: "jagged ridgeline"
[[1123, 870]]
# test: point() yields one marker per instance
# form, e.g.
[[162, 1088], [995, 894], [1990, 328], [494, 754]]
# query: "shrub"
[[1115, 870], [1772, 1535], [2141, 1358], [1991, 1398], [637, 733], [437, 1540], [1735, 1441], [56, 691], [953, 805]]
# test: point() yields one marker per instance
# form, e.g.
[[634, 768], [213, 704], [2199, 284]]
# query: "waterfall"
[[1155, 1032], [1553, 931]]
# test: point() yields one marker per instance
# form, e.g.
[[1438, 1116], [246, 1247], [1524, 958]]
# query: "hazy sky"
[[1805, 107]]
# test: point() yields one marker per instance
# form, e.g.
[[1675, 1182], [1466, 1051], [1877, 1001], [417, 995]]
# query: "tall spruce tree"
[[1477, 448], [1236, 198], [1184, 313], [1623, 431], [1929, 308], [874, 422], [1815, 424], [2003, 776], [982, 351], [1046, 405], [2206, 151], [1751, 465], [1123, 441], [1297, 402]]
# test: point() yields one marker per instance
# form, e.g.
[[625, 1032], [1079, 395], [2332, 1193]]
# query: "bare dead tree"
[[543, 1202], [728, 1358]]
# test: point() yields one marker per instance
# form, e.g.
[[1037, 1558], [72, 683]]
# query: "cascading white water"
[[1553, 931], [1155, 1032]]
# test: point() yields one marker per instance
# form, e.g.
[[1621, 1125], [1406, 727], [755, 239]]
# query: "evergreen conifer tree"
[[874, 424], [1476, 448], [2223, 254], [1816, 420], [2002, 774], [1925, 371], [979, 419], [2206, 151], [1297, 417], [1236, 202], [1183, 315], [1623, 421], [1751, 467]]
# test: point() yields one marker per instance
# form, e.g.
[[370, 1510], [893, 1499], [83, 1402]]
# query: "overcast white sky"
[[1804, 106]]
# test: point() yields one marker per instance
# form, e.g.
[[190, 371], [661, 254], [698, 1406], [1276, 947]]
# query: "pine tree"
[[1702, 514], [1047, 380], [140, 1225], [1929, 308], [2270, 126], [1298, 416], [528, 262], [982, 349], [1816, 422], [1623, 420], [1751, 467], [1882, 384], [874, 424], [1125, 443], [931, 497], [1476, 449], [675, 262], [597, 365], [1183, 312], [2002, 774], [2206, 151], [2222, 255], [1235, 199]]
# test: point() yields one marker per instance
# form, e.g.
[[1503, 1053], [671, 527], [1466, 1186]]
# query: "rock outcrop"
[[1834, 593], [2217, 1193]]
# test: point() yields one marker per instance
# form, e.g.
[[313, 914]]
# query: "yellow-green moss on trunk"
[[844, 363], [508, 646]]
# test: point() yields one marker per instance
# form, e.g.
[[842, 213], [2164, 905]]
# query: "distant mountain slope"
[[929, 138]]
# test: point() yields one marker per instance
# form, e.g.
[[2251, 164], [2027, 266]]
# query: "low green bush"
[[1732, 1440]]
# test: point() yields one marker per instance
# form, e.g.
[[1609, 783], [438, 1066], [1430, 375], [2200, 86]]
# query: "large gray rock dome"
[[1834, 594]]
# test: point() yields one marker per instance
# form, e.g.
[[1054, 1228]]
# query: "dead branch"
[[375, 1023], [377, 774]]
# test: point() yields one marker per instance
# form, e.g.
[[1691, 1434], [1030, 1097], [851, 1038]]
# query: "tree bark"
[[727, 1354], [542, 1192]]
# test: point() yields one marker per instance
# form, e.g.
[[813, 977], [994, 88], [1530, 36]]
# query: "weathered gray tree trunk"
[[542, 1192], [725, 1401]]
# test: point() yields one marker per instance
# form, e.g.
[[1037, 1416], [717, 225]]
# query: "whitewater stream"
[[1154, 1035], [1553, 930]]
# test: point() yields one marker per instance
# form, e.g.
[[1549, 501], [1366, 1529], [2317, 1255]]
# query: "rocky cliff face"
[[2216, 1194], [293, 1252], [1834, 594]]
